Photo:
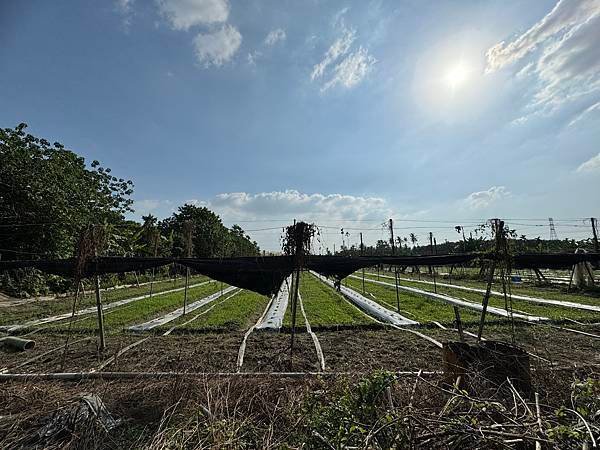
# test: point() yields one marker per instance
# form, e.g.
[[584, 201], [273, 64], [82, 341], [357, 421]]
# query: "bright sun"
[[457, 75]]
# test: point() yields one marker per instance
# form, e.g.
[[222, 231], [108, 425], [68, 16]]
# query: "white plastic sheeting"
[[273, 320], [179, 312], [314, 337], [537, 300], [459, 302], [92, 309], [370, 307], [242, 349]]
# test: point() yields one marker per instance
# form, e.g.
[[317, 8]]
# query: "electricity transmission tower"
[[553, 235]]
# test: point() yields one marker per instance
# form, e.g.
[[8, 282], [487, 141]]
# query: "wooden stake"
[[100, 314], [299, 235], [97, 287], [188, 229], [459, 324], [395, 268], [499, 228], [156, 239]]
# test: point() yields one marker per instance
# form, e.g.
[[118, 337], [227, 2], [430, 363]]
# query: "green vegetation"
[[46, 308], [49, 196], [412, 306], [236, 313], [139, 311], [590, 297], [552, 312], [325, 307]]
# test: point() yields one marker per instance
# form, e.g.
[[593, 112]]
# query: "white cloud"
[[591, 165], [351, 70], [565, 52], [564, 15], [275, 36], [183, 14], [483, 199], [294, 204], [339, 48], [218, 47], [253, 57], [589, 111], [124, 6], [159, 208]]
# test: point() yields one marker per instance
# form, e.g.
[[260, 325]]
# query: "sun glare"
[[457, 76]]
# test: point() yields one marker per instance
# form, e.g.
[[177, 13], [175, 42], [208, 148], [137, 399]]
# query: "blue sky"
[[343, 113]]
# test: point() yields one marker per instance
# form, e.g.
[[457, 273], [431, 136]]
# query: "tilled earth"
[[346, 350]]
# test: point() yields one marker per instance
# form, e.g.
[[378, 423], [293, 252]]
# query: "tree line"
[[49, 195]]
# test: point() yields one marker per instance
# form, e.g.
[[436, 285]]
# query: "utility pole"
[[362, 251], [553, 235]]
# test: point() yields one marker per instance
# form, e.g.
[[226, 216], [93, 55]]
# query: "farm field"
[[550, 311], [139, 311], [233, 312], [59, 305], [325, 307], [412, 305], [206, 344]]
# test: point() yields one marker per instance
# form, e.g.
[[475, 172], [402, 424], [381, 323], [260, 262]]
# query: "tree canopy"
[[48, 194]]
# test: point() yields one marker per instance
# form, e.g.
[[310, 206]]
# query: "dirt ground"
[[345, 350]]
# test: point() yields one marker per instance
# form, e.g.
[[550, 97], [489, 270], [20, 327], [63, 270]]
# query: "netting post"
[[298, 236], [459, 324], [498, 226], [395, 267], [95, 239], [362, 250], [188, 227], [100, 313], [156, 238]]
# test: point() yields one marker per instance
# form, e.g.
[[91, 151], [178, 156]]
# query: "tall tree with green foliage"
[[48, 194], [210, 239]]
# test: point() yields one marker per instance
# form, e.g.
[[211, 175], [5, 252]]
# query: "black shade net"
[[265, 274], [261, 274]]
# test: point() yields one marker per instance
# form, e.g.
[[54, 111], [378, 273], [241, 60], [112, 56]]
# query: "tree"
[[210, 237], [48, 195], [413, 239]]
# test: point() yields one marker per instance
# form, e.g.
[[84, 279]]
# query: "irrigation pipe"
[[42, 355], [318, 348], [90, 310]]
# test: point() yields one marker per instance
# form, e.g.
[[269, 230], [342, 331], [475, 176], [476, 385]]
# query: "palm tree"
[[413, 239]]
